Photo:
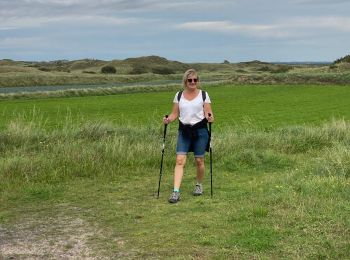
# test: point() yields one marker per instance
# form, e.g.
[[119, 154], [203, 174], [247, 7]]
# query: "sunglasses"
[[192, 80]]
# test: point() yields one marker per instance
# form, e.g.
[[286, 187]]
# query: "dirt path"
[[58, 237]]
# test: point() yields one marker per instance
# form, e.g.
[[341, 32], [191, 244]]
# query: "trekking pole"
[[161, 162], [211, 160]]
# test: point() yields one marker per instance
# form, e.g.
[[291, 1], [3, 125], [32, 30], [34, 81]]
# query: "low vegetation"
[[145, 69], [343, 59], [80, 175], [277, 194], [79, 168], [108, 69]]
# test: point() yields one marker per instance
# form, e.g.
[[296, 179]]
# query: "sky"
[[181, 30]]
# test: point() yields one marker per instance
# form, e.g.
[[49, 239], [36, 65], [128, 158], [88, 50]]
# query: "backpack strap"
[[179, 96], [204, 95]]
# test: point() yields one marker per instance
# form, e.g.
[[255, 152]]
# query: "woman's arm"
[[174, 114], [207, 111]]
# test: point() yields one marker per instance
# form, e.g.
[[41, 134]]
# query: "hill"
[[139, 65], [154, 68]]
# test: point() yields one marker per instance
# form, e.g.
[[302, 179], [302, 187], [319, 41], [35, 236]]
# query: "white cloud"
[[17, 14], [134, 27], [31, 22], [229, 27], [289, 28], [330, 22], [320, 1], [58, 2], [20, 42], [93, 6]]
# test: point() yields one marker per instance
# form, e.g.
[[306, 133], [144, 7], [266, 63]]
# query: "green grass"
[[39, 78], [87, 178], [262, 106]]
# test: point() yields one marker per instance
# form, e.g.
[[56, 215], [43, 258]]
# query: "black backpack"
[[204, 96]]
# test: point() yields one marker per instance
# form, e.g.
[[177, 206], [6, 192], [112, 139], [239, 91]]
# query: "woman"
[[192, 107]]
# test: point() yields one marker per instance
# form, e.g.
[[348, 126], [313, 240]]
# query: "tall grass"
[[31, 154], [280, 193], [40, 78], [98, 91], [101, 148]]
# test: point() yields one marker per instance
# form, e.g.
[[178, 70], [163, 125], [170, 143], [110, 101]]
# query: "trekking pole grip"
[[165, 127], [209, 114]]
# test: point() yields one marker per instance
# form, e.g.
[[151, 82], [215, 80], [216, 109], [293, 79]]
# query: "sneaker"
[[175, 197], [198, 190]]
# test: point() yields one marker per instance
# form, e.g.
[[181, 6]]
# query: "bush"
[[274, 68], [139, 69], [108, 69], [281, 69], [343, 59], [46, 69], [162, 70], [265, 68]]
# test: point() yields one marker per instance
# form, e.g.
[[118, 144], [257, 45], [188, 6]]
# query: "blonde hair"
[[188, 73]]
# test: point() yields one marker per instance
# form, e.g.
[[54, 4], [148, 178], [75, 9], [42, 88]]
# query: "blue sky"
[[182, 30]]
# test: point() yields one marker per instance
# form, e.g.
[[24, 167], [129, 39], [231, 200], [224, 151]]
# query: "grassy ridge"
[[281, 182], [145, 69]]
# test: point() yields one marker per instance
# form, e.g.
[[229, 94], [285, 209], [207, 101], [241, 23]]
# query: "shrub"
[[162, 70], [46, 69], [138, 69], [281, 69], [265, 68], [274, 68], [343, 59], [108, 69]]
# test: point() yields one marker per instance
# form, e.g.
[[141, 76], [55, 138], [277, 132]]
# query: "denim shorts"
[[196, 145]]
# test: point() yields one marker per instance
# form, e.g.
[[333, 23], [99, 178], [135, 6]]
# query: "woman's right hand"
[[166, 120]]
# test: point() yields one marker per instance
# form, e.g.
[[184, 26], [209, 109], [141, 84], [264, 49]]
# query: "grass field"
[[79, 177], [263, 106]]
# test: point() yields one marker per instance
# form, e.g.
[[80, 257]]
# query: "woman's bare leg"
[[179, 170]]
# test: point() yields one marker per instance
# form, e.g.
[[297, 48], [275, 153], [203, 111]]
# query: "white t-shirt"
[[191, 111]]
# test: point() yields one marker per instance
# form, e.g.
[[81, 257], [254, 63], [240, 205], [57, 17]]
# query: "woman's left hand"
[[210, 117]]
